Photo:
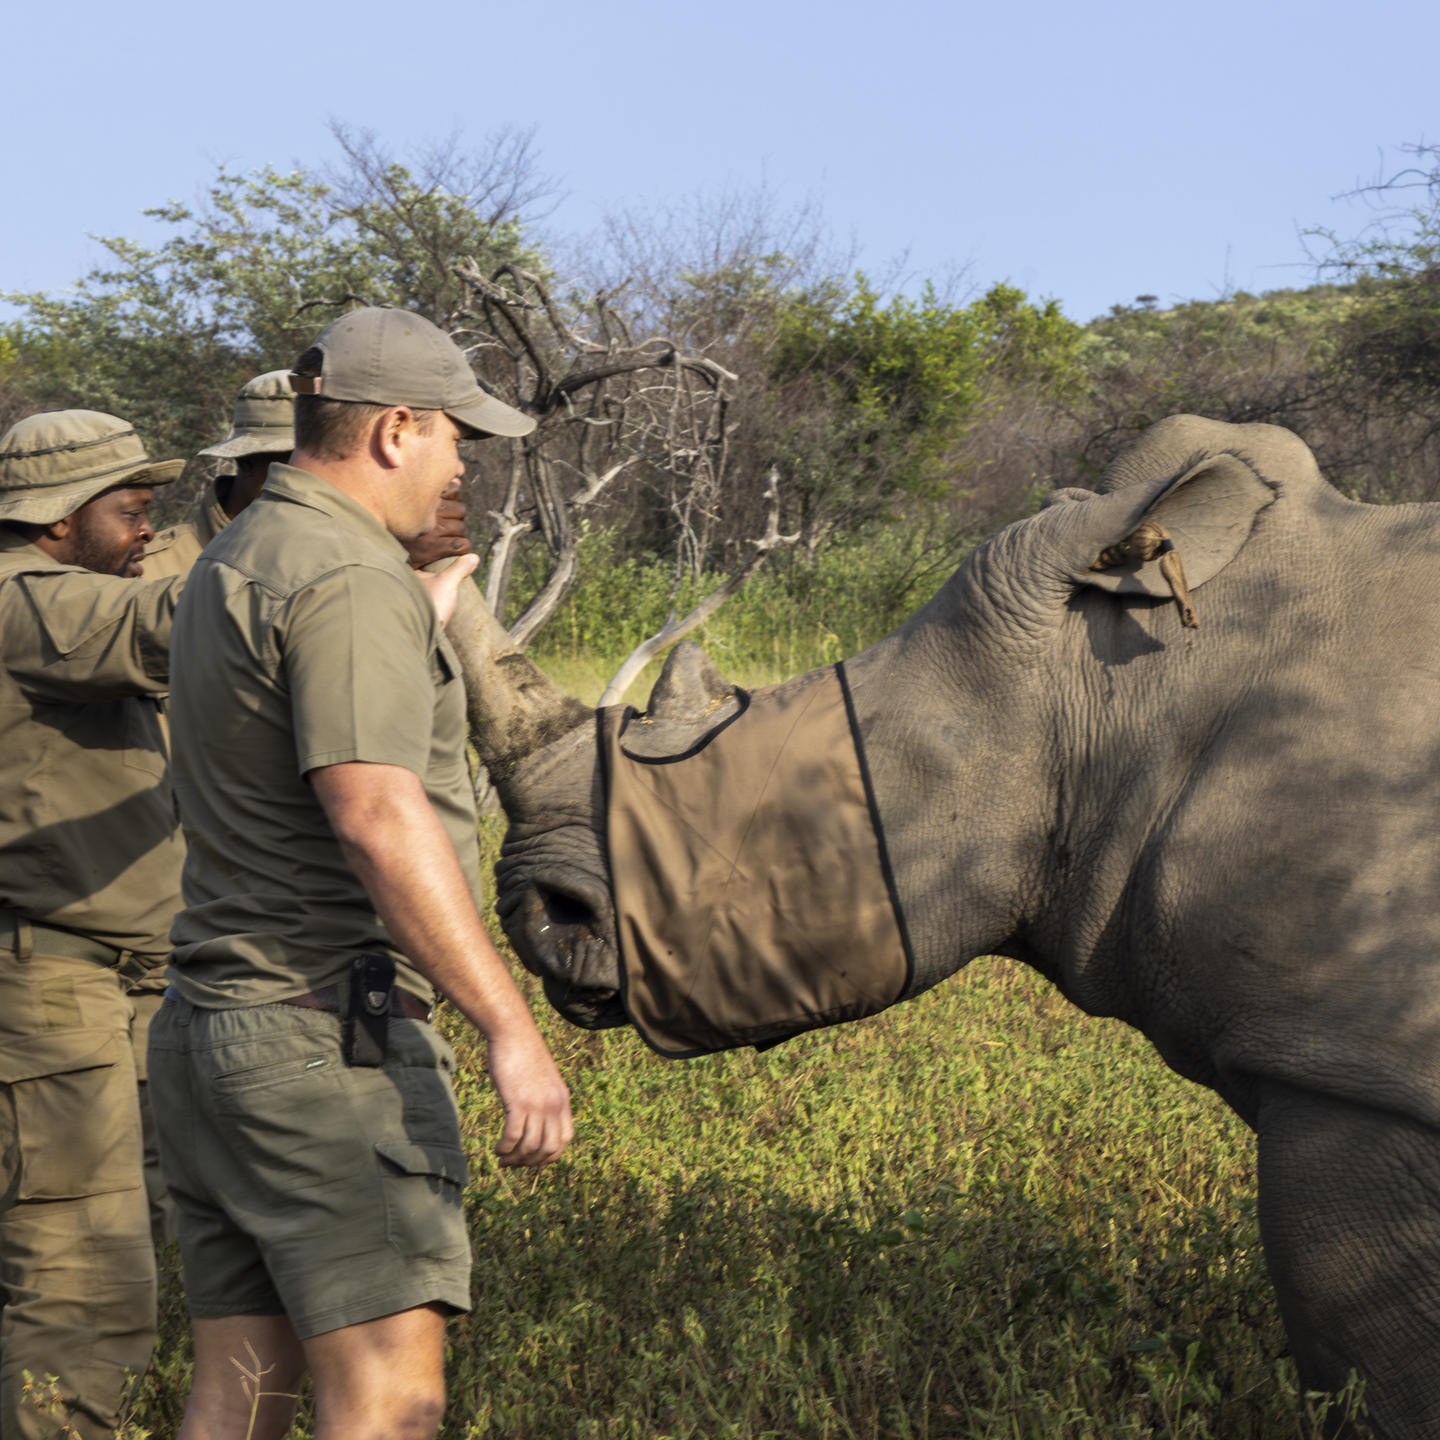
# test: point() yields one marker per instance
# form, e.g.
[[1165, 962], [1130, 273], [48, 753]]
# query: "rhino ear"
[[690, 687], [1208, 510]]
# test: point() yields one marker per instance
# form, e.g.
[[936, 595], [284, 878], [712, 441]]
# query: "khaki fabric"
[[305, 640], [174, 551], [383, 356], [332, 1192], [751, 886], [89, 836], [53, 463], [163, 1229], [264, 419], [77, 1271]]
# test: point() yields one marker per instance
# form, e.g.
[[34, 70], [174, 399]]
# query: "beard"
[[106, 557]]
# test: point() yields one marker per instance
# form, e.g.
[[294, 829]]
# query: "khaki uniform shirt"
[[89, 839], [174, 551], [305, 640]]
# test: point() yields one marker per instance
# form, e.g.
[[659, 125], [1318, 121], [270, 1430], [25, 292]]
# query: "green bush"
[[788, 618]]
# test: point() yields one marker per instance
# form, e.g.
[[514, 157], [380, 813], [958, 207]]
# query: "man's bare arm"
[[396, 844]]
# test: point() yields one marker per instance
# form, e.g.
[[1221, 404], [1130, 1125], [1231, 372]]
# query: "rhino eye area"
[[563, 909]]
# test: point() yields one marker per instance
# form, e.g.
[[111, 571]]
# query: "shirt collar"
[[210, 517], [287, 482], [16, 548]]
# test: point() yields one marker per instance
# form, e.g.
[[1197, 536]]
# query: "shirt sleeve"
[[76, 635], [355, 653]]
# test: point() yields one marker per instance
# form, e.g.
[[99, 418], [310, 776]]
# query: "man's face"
[[431, 463], [109, 533]]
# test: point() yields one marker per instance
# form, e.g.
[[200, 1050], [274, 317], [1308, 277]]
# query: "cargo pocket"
[[424, 1189], [70, 1116]]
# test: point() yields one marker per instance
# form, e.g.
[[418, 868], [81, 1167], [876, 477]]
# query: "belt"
[[327, 997], [27, 938]]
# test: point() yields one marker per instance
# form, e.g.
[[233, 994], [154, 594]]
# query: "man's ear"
[[388, 436], [1208, 510]]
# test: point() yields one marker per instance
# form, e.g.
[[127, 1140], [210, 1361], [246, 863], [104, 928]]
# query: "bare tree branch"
[[606, 405], [676, 629]]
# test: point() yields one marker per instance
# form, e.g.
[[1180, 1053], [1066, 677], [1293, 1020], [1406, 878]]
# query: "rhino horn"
[[514, 707], [690, 686]]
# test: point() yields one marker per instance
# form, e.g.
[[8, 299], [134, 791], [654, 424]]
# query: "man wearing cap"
[[263, 432], [308, 1130], [90, 858]]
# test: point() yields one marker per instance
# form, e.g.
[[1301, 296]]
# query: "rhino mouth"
[[590, 1010], [562, 932]]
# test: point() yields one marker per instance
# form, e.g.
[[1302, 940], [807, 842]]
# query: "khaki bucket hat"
[[264, 419], [379, 356], [51, 464]]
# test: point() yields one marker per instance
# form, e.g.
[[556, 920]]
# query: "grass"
[[979, 1216]]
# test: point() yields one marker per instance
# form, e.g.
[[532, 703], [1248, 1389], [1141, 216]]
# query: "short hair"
[[335, 429]]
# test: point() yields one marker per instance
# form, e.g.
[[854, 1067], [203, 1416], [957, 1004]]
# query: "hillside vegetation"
[[699, 373]]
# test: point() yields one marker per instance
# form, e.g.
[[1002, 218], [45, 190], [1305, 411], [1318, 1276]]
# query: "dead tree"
[[676, 627], [606, 405]]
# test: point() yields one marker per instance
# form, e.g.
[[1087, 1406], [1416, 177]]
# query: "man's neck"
[[363, 483]]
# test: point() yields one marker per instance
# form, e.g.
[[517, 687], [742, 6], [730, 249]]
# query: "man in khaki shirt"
[[308, 1128], [261, 434], [90, 858]]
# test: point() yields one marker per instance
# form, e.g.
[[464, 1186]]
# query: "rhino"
[[1226, 836]]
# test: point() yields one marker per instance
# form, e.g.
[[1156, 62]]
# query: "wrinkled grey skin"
[[1229, 838]]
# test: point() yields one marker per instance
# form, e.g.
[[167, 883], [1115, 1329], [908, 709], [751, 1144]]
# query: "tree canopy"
[[716, 372]]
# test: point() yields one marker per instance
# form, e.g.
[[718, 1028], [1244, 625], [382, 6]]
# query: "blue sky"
[[1089, 152]]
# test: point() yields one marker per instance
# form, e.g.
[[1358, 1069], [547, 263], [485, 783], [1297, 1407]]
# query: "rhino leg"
[[1350, 1218]]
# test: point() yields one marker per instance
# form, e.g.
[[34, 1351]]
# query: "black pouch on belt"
[[367, 1010]]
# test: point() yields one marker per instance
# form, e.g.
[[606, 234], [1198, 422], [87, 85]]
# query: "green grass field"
[[979, 1215]]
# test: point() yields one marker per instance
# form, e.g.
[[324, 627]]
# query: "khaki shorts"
[[331, 1193]]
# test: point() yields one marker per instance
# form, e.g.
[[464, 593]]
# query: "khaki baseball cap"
[[264, 419], [380, 356], [52, 464]]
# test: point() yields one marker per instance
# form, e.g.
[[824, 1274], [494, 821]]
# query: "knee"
[[424, 1415], [408, 1413]]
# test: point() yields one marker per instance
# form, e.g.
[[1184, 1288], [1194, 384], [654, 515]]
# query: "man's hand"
[[536, 1100], [447, 538], [444, 585]]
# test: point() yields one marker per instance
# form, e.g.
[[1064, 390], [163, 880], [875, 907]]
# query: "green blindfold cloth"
[[754, 899]]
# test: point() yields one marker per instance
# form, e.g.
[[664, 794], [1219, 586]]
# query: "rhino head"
[[959, 709], [539, 746]]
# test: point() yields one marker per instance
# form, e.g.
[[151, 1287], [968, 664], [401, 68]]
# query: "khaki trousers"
[[77, 1268]]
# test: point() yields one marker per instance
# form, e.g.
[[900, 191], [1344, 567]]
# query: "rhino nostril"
[[563, 909]]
